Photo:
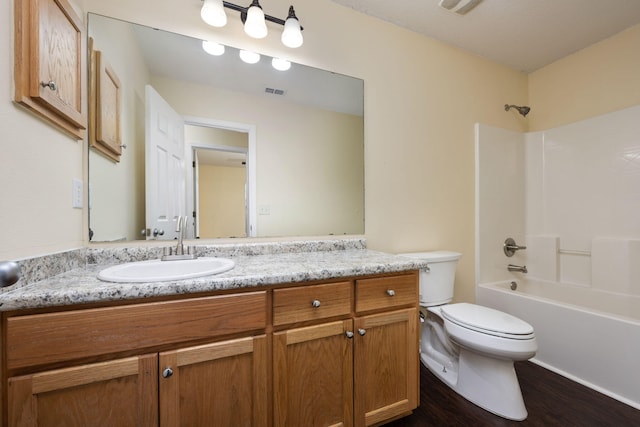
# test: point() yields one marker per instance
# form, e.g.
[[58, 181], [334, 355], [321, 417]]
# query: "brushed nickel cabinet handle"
[[315, 303], [51, 85]]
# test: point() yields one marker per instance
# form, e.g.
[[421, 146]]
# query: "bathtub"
[[589, 336]]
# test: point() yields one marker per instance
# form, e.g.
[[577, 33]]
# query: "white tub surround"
[[570, 195]]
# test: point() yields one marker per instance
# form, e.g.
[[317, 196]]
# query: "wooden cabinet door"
[[219, 384], [57, 75], [50, 62], [386, 364], [313, 376], [117, 393]]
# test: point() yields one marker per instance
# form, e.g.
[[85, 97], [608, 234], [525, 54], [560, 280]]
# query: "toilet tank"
[[436, 282]]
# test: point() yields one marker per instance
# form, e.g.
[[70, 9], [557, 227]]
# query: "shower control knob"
[[510, 247], [391, 292], [315, 303], [167, 373]]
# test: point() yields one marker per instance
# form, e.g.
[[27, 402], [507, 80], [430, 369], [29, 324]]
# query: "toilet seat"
[[487, 321]]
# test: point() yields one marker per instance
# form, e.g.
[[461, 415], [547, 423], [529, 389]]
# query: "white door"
[[165, 173]]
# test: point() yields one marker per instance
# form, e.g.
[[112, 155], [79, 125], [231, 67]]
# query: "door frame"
[[250, 130]]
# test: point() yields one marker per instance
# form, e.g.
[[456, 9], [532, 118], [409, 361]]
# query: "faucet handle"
[[510, 247]]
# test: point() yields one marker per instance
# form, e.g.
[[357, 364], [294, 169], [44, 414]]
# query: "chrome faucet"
[[179, 252], [181, 226], [520, 268]]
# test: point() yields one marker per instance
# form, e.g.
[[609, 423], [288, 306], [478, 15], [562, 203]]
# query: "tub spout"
[[520, 268]]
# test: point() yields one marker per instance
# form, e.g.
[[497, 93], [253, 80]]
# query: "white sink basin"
[[159, 271]]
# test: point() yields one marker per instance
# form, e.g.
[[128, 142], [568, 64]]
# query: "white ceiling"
[[522, 34]]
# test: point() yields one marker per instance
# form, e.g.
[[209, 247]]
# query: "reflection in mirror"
[[264, 152], [219, 159]]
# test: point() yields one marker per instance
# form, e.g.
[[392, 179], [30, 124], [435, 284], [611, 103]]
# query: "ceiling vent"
[[274, 91], [459, 6]]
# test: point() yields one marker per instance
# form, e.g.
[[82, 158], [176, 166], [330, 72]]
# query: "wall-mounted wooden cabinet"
[[50, 63]]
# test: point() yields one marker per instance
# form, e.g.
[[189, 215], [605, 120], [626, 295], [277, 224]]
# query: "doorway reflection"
[[220, 197]]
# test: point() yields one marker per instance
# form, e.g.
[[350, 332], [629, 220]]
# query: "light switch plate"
[[77, 194]]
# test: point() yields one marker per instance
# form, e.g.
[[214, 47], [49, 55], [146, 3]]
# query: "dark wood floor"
[[551, 400]]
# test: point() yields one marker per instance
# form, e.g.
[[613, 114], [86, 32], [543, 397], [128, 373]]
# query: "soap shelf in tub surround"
[[280, 266]]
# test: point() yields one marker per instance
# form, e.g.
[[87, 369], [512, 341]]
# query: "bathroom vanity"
[[316, 338]]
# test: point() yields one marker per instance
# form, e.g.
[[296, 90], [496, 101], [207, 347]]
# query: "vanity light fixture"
[[292, 33], [255, 25], [254, 20], [212, 13]]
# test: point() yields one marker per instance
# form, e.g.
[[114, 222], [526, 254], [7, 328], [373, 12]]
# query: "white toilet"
[[469, 347]]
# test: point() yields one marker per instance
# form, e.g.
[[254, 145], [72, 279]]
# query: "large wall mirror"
[[260, 152]]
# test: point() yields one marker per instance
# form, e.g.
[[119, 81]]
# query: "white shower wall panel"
[[583, 182], [500, 193]]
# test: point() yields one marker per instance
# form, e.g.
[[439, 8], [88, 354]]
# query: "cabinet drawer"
[[313, 302], [55, 337], [386, 292]]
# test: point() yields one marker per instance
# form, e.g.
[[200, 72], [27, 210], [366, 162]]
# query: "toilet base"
[[489, 383]]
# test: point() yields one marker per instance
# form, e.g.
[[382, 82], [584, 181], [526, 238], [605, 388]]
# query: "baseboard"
[[592, 386]]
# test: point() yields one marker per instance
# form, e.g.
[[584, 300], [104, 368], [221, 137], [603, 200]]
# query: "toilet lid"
[[487, 320]]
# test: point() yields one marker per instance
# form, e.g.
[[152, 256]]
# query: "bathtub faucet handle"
[[510, 247]]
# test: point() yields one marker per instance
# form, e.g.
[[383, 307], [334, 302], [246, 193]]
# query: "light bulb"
[[280, 64], [292, 33], [212, 13], [249, 57], [213, 48], [255, 25]]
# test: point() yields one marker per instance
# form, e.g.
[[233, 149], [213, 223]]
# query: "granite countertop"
[[81, 285]]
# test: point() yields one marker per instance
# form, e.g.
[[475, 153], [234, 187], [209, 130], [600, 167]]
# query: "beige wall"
[[221, 197], [38, 165], [602, 78]]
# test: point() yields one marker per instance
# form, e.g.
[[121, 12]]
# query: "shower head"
[[524, 110]]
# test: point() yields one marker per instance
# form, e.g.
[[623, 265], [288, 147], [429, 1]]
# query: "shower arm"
[[524, 110]]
